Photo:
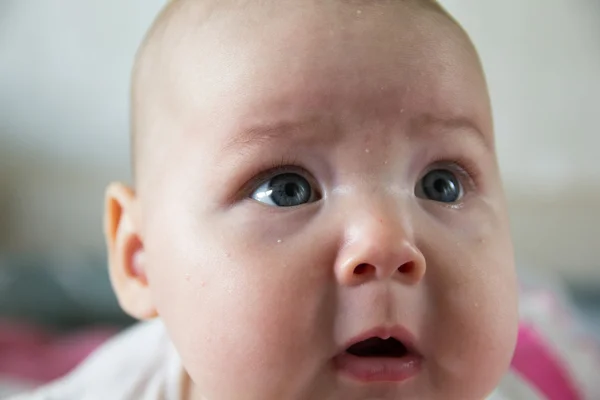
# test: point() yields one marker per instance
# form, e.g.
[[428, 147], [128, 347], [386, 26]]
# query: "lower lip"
[[378, 369]]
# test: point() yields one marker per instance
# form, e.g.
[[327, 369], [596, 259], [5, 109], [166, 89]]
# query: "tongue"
[[377, 347]]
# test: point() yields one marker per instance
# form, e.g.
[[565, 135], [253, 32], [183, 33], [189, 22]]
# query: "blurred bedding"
[[32, 355], [53, 314], [62, 293]]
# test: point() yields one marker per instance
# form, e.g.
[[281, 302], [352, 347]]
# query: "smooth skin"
[[356, 102]]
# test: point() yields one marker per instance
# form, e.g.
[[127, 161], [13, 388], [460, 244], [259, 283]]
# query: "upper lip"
[[397, 332]]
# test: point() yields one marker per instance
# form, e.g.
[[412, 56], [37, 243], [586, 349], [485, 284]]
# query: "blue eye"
[[440, 185], [285, 190]]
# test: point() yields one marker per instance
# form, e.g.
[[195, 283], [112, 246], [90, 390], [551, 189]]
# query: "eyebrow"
[[256, 134], [315, 129], [425, 123]]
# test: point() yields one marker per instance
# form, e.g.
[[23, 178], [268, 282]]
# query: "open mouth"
[[374, 359], [375, 347]]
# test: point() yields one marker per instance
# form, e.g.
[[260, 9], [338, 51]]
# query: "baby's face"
[[326, 179]]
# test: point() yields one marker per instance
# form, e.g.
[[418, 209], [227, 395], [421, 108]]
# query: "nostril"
[[407, 268], [363, 269]]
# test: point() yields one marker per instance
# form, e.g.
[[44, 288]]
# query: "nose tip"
[[400, 261], [379, 243]]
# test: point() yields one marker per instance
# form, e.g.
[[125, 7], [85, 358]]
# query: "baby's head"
[[313, 178]]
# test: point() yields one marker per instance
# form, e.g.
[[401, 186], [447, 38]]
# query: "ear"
[[126, 256]]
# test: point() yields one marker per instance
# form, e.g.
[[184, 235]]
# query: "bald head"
[[204, 27]]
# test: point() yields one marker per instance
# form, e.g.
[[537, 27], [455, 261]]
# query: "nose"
[[379, 248]]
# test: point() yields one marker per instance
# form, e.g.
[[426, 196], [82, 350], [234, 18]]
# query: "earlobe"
[[126, 255]]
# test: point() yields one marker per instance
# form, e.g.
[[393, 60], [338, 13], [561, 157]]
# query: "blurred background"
[[64, 82]]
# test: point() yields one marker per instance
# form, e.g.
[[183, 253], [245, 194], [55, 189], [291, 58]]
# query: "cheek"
[[231, 301], [473, 294]]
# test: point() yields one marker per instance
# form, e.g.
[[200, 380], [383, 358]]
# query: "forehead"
[[269, 66]]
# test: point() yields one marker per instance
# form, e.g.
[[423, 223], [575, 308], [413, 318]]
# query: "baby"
[[317, 214]]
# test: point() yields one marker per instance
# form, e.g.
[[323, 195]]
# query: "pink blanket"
[[33, 354]]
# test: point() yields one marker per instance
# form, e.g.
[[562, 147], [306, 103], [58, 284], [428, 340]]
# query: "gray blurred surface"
[[64, 294], [588, 303]]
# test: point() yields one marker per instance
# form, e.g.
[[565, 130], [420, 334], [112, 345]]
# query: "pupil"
[[441, 185], [290, 189]]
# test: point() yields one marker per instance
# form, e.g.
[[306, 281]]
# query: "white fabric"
[[142, 364], [9, 386], [513, 387]]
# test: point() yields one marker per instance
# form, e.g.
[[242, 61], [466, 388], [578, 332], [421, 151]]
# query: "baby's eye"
[[440, 185], [285, 190]]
